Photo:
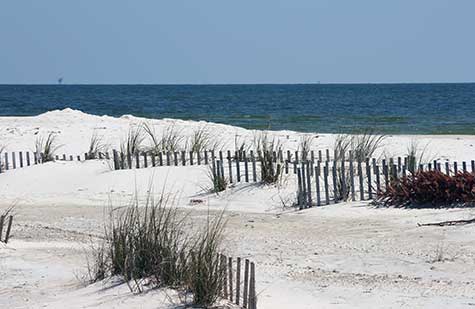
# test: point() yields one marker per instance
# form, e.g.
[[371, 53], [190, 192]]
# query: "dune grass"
[[46, 147], [151, 242]]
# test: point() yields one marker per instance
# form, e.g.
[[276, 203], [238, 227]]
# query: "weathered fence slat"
[[325, 183], [246, 284], [238, 280]]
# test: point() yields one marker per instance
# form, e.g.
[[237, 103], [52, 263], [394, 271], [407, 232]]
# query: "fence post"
[[246, 284], [252, 292], [230, 166], [21, 159], [335, 188], [238, 280], [299, 191], [317, 182], [368, 175], [230, 271], [378, 181], [238, 168], [160, 158], [253, 161], [225, 276], [325, 182], [7, 235], [304, 185], [13, 160], [352, 177], [360, 175], [2, 220], [116, 159], [246, 167], [309, 185]]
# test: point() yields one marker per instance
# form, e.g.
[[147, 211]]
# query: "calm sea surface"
[[388, 108]]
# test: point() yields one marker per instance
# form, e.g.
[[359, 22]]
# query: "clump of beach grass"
[[200, 140], [46, 147], [218, 182], [132, 144], [204, 270], [416, 156], [305, 145], [271, 171], [169, 140], [151, 244], [363, 144], [97, 147]]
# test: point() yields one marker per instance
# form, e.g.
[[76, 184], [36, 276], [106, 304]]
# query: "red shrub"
[[429, 189]]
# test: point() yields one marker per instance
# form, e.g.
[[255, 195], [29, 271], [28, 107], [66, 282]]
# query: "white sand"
[[344, 256]]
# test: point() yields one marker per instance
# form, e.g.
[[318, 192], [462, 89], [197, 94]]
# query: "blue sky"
[[263, 41]]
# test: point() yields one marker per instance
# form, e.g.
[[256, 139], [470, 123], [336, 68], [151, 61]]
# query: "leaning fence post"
[[2, 220], [7, 235], [299, 184]]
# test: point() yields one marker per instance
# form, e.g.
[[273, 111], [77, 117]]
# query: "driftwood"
[[447, 223]]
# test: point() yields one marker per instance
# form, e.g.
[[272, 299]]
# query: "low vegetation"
[[46, 147], [168, 140], [430, 189], [219, 183], [150, 244], [271, 171], [97, 147], [363, 144], [199, 141]]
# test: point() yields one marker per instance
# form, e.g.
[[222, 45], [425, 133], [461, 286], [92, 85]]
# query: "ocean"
[[323, 108]]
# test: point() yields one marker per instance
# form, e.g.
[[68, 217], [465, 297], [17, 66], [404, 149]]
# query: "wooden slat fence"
[[22, 159], [239, 281], [341, 180]]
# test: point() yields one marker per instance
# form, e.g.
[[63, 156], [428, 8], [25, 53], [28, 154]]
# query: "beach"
[[345, 255]]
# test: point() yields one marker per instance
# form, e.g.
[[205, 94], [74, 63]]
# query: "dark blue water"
[[388, 108]]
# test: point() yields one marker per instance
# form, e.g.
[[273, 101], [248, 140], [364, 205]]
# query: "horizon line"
[[233, 84]]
